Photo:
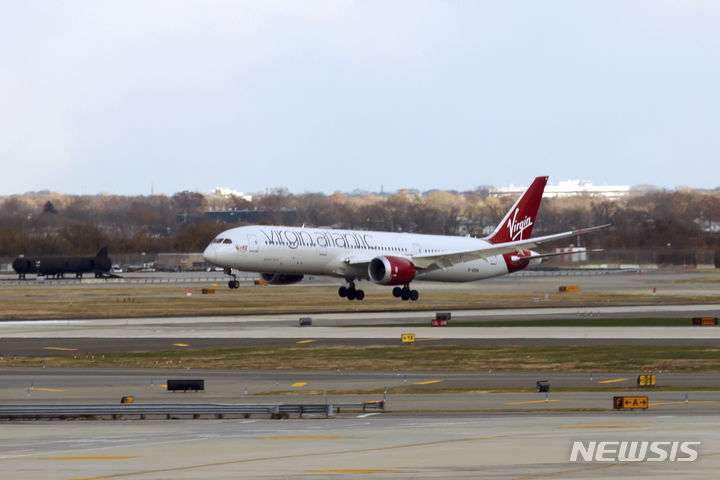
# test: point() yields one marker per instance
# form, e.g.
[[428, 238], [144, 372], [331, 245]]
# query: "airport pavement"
[[404, 391], [462, 445], [350, 325], [453, 425]]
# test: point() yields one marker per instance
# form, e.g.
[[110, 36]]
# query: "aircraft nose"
[[210, 255]]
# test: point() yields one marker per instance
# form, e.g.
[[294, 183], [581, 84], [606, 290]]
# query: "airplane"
[[59, 266], [284, 255]]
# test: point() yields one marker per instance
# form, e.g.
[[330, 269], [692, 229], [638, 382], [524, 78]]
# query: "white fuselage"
[[320, 251]]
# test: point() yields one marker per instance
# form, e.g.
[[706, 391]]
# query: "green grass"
[[155, 300], [409, 357]]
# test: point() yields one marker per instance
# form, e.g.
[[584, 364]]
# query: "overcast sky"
[[120, 97]]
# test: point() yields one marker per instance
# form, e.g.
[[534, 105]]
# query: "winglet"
[[518, 222], [103, 252]]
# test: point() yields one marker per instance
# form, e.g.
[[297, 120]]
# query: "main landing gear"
[[350, 292], [405, 293]]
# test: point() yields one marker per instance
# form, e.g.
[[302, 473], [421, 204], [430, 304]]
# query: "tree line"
[[48, 223]]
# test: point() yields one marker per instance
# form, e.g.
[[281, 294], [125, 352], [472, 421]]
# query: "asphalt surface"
[[481, 388], [460, 445], [438, 424]]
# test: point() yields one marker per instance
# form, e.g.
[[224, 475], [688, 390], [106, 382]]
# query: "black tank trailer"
[[58, 266]]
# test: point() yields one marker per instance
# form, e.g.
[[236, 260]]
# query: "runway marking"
[[535, 401], [682, 401], [181, 345], [62, 349], [365, 415], [299, 384], [286, 457], [41, 389], [428, 382], [357, 471], [614, 380], [302, 437], [601, 426], [116, 457], [306, 341]]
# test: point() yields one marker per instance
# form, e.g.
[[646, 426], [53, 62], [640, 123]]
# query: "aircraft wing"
[[448, 259]]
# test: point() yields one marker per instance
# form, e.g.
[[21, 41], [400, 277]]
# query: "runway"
[[47, 337]]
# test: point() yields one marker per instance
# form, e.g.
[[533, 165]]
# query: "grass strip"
[[127, 301], [408, 357]]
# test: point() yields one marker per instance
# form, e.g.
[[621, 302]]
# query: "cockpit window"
[[218, 240], [227, 240]]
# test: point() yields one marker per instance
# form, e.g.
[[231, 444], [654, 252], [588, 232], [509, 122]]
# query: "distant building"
[[569, 188], [227, 192], [707, 225]]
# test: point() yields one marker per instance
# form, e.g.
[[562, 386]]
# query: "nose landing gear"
[[234, 283], [350, 292], [406, 293]]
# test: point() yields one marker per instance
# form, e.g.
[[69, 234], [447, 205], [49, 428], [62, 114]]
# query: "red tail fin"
[[518, 223]]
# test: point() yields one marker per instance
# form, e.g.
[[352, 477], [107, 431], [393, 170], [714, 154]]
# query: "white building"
[[569, 188], [225, 192]]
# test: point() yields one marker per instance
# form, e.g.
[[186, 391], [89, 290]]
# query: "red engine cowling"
[[391, 270], [281, 278]]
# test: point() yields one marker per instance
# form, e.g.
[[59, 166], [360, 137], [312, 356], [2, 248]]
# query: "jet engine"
[[281, 278], [391, 270]]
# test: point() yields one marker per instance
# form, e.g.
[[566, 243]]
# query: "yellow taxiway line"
[[534, 401], [118, 457], [428, 382], [614, 380], [345, 470], [600, 426]]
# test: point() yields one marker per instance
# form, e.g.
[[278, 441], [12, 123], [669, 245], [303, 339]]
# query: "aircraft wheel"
[[236, 284], [351, 294], [359, 295], [231, 284], [342, 291], [405, 295], [414, 295], [397, 291]]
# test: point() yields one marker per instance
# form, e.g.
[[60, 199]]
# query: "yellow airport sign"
[[407, 337], [646, 380], [628, 403]]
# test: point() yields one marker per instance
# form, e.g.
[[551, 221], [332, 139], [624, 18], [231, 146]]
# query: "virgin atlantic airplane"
[[284, 255]]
